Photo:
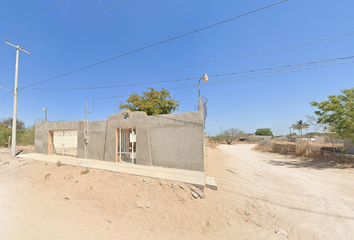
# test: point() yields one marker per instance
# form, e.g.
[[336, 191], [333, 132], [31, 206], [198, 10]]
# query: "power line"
[[93, 102], [272, 75], [126, 85], [235, 79], [155, 44], [85, 21], [4, 95], [26, 25], [78, 14], [5, 101], [231, 58], [226, 80], [215, 75]]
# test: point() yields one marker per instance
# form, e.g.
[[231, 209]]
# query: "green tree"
[[338, 113], [291, 135], [231, 134], [325, 129], [300, 125], [152, 102], [264, 132], [5, 132], [20, 126], [217, 138], [27, 138]]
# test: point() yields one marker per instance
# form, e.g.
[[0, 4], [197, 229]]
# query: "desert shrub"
[[264, 146], [213, 144], [5, 132], [27, 137]]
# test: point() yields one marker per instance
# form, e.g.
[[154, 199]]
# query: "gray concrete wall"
[[256, 138], [40, 139], [177, 140], [347, 143], [42, 135], [206, 140], [169, 140], [137, 120], [96, 135]]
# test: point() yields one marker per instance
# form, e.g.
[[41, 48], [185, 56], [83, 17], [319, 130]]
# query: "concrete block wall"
[[177, 140], [169, 140], [42, 135], [96, 136], [347, 143], [137, 120]]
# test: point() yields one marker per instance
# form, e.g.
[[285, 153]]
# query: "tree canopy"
[[338, 113], [5, 131], [300, 125], [152, 102], [229, 135], [264, 132], [20, 126]]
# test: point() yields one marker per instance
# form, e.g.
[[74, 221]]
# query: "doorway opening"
[[126, 145]]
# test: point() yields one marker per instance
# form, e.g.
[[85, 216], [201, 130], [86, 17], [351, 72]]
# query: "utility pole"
[[85, 129], [290, 134], [14, 118]]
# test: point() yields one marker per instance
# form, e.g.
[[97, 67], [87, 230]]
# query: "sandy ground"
[[258, 194]]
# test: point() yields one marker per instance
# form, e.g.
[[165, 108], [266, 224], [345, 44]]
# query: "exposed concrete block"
[[167, 140], [177, 140], [210, 183]]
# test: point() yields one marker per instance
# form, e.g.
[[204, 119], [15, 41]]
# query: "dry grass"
[[306, 149], [224, 142], [264, 146], [213, 144]]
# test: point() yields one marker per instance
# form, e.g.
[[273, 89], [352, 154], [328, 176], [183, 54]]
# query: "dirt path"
[[309, 201], [257, 194]]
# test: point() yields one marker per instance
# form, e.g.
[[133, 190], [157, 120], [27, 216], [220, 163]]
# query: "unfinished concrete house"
[[169, 140]]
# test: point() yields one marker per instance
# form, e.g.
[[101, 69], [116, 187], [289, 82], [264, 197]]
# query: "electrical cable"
[[215, 75], [5, 101], [26, 25], [227, 80], [230, 58], [51, 39], [272, 75], [93, 101], [155, 44], [4, 95], [78, 14], [221, 81]]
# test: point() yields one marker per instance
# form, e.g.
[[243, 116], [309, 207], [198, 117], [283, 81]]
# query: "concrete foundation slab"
[[192, 177], [210, 183]]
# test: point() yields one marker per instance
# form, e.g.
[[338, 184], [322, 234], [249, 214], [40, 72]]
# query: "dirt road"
[[258, 193], [309, 199]]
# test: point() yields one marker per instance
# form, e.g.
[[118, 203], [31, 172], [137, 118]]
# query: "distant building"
[[257, 138], [347, 143]]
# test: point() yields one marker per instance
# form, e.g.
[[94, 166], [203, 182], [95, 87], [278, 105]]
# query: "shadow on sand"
[[302, 162]]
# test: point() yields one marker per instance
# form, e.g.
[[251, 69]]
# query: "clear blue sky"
[[274, 99]]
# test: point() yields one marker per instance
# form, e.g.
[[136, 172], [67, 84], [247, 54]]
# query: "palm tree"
[[299, 125]]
